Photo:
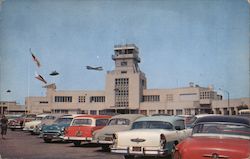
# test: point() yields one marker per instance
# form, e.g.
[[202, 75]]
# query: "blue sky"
[[200, 41]]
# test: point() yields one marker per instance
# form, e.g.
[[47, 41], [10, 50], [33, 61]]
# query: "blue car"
[[55, 131]]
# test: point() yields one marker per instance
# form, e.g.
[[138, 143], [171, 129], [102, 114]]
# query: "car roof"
[[230, 119], [128, 116], [170, 119], [93, 116]]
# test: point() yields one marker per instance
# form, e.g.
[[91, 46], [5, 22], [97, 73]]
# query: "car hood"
[[140, 137], [55, 127], [198, 147], [110, 130]]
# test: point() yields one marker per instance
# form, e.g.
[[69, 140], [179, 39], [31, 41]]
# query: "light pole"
[[8, 104], [228, 98]]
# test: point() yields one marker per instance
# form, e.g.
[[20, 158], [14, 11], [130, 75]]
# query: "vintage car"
[[82, 127], [217, 137], [192, 121], [150, 136], [55, 131], [48, 120], [29, 126], [18, 123], [122, 122]]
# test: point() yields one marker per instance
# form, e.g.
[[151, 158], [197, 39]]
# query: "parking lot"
[[21, 145]]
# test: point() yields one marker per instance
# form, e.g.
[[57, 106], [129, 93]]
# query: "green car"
[[55, 131]]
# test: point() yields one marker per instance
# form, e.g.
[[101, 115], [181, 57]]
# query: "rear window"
[[101, 122], [119, 121], [152, 125], [77, 122], [222, 128]]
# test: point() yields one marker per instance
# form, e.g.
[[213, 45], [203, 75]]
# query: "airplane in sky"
[[99, 68], [54, 73]]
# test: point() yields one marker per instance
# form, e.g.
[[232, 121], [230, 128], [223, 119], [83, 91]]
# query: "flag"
[[39, 77], [35, 59]]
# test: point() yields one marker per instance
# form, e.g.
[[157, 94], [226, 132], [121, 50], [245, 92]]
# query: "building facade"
[[11, 107], [126, 92]]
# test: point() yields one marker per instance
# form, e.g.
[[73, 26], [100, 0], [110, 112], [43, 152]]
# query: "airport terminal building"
[[126, 92]]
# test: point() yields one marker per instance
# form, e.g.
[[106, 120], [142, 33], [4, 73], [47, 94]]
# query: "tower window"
[[123, 63]]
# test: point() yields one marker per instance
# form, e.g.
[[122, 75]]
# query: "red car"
[[217, 137], [18, 123], [82, 127]]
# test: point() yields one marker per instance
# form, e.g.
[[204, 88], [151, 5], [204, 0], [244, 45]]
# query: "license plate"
[[48, 136], [108, 138], [136, 148]]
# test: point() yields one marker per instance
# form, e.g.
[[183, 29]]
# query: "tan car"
[[122, 122]]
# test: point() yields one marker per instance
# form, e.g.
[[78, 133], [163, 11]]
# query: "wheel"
[[47, 140], [105, 148], [77, 143], [129, 156]]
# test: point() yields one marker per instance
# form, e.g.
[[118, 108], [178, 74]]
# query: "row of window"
[[151, 98], [81, 99], [97, 99], [207, 95], [63, 98]]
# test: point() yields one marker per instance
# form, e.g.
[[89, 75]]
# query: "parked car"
[[82, 127], [122, 122], [55, 131], [29, 126], [48, 120], [217, 137], [150, 136], [18, 123], [192, 121]]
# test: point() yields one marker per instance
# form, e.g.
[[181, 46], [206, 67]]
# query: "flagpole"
[[27, 108]]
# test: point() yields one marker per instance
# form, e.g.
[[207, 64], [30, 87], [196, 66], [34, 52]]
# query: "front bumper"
[[15, 126], [140, 151], [53, 136]]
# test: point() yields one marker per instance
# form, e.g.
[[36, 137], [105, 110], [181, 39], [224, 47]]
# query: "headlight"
[[62, 129]]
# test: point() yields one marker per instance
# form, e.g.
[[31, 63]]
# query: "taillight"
[[66, 130], [115, 137], [163, 140], [177, 154]]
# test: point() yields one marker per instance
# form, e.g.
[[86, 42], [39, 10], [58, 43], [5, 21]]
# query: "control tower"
[[124, 84]]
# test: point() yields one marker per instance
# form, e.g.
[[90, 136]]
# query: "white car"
[[121, 122], [30, 126], [151, 136]]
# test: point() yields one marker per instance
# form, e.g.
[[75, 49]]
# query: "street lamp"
[[228, 98], [8, 104]]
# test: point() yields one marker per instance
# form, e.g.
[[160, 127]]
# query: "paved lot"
[[21, 145]]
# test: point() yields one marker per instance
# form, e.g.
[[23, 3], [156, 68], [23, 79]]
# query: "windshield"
[[78, 122], [222, 128], [63, 120], [39, 118], [152, 125], [119, 121]]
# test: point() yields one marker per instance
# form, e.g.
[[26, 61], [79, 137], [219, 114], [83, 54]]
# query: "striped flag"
[[35, 59], [39, 77]]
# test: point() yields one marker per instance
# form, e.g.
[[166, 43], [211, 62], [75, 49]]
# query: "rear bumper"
[[142, 152], [74, 138]]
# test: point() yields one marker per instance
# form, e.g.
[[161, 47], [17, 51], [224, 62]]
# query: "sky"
[[201, 41]]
